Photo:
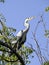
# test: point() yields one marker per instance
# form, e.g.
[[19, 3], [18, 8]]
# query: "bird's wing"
[[18, 36]]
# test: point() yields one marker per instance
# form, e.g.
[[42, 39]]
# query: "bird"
[[21, 35]]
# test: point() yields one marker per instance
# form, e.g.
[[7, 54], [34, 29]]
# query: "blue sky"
[[15, 12]]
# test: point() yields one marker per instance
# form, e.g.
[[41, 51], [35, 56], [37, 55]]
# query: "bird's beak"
[[30, 18]]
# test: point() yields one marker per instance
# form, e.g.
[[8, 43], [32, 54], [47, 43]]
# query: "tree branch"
[[3, 50], [14, 52], [8, 60]]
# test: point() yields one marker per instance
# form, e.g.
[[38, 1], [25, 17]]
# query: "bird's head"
[[26, 23], [29, 19]]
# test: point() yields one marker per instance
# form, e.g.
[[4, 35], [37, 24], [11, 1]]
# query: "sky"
[[16, 11]]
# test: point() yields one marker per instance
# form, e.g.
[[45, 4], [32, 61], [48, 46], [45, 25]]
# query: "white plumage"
[[19, 34]]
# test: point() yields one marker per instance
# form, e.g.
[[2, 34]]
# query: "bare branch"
[[43, 23], [34, 51], [37, 26], [38, 49]]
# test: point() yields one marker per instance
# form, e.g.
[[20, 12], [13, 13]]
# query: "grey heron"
[[21, 35]]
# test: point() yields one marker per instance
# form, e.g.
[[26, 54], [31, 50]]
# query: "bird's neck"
[[27, 27]]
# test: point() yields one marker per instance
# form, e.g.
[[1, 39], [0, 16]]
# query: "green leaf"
[[1, 37], [46, 63], [47, 33], [47, 9], [12, 29]]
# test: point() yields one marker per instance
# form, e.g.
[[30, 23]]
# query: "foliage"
[[6, 36], [46, 63], [47, 33], [47, 9], [26, 52]]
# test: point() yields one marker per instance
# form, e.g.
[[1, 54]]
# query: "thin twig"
[[43, 23], [37, 26], [38, 49], [45, 32], [35, 51]]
